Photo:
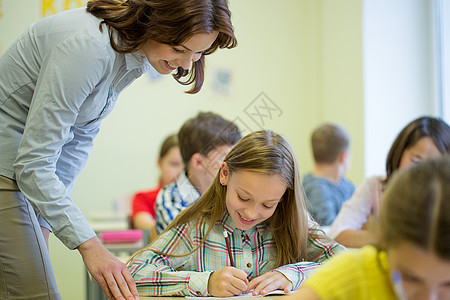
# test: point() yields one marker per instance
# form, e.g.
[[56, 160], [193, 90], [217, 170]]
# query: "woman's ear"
[[224, 173]]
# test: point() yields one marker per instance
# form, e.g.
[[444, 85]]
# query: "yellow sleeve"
[[356, 274], [331, 281]]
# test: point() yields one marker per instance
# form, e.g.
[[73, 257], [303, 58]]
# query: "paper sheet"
[[243, 296]]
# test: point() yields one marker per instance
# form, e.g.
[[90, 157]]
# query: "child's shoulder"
[[354, 274], [354, 262]]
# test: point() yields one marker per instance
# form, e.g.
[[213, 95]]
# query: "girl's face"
[[171, 165], [251, 197], [424, 148], [165, 58], [424, 275]]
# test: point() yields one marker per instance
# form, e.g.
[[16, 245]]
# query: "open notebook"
[[243, 296]]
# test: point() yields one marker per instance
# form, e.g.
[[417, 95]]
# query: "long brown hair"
[[264, 152], [416, 208], [434, 128], [131, 23]]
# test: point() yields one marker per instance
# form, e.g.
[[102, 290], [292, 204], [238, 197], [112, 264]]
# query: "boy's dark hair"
[[204, 133], [328, 142]]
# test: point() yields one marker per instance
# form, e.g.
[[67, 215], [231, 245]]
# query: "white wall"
[[444, 11], [398, 72]]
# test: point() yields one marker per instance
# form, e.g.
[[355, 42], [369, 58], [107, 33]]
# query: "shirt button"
[[249, 265]]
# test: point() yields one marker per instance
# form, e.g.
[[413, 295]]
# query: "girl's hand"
[[227, 282], [269, 282]]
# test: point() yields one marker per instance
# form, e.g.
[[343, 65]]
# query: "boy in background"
[[204, 142], [326, 188]]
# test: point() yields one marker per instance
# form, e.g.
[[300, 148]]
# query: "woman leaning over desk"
[[57, 82]]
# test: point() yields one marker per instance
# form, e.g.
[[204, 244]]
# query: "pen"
[[227, 241], [398, 287]]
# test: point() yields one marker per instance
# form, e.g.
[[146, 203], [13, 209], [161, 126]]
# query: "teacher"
[[58, 81]]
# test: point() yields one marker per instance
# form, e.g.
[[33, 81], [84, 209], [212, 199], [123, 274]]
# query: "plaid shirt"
[[172, 199], [254, 251]]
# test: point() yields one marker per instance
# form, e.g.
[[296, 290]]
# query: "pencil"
[[398, 287], [227, 241]]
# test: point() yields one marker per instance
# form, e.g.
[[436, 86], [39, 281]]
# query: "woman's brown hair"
[[434, 128], [131, 23], [416, 208]]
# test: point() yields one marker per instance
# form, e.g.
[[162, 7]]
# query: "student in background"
[[204, 142], [256, 199], [170, 165], [412, 260], [326, 188], [423, 138], [58, 81]]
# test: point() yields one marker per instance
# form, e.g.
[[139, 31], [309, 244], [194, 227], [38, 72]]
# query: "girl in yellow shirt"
[[412, 260]]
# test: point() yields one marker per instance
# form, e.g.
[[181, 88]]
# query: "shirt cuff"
[[75, 233], [295, 276], [198, 283]]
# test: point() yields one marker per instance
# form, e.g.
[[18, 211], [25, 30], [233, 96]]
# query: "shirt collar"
[[187, 191], [136, 61], [227, 222]]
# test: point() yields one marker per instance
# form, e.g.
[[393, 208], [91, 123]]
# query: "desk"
[[271, 297]]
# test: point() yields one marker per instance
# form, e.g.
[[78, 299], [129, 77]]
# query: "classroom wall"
[[298, 62], [398, 73]]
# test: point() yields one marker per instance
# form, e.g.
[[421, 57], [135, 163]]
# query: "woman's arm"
[[356, 238], [144, 220], [356, 211], [53, 149]]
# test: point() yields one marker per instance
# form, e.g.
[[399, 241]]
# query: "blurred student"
[[204, 141], [257, 201], [423, 138], [412, 260], [326, 188], [170, 165]]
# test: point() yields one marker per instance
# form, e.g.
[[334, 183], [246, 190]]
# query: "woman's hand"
[[111, 274], [227, 282], [269, 282]]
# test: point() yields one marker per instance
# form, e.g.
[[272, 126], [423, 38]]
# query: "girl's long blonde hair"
[[264, 152]]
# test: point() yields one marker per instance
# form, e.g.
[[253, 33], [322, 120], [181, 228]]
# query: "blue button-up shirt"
[[172, 199], [57, 82]]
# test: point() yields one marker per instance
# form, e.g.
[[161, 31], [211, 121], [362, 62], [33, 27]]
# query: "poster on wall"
[[51, 7]]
